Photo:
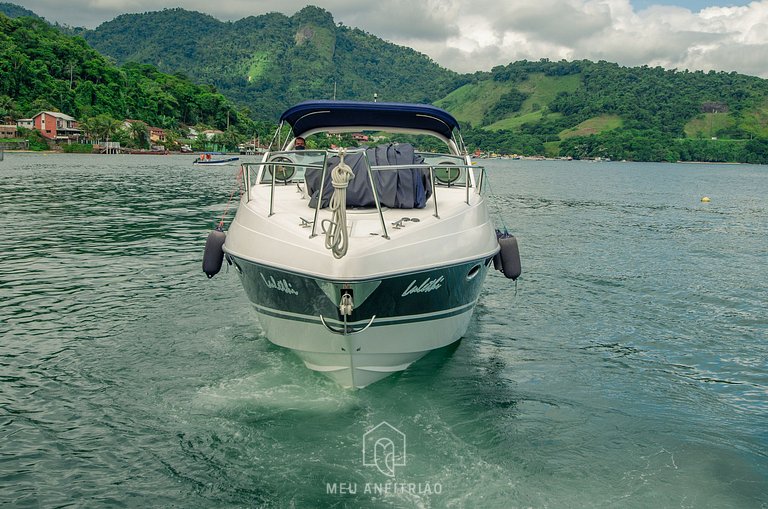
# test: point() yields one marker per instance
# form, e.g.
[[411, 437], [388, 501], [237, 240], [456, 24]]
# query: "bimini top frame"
[[318, 115], [310, 117]]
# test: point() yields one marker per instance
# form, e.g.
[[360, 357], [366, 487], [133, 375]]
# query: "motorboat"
[[361, 260], [209, 159]]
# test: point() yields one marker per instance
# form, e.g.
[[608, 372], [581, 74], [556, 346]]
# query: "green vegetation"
[[42, 69], [543, 89], [598, 109], [594, 125], [258, 65], [268, 63], [470, 102], [755, 120], [16, 11], [517, 122], [707, 125], [264, 64], [508, 104], [77, 148], [35, 140]]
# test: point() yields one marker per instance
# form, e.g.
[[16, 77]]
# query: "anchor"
[[345, 309], [347, 330]]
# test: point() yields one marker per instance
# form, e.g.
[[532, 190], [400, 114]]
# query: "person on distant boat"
[[299, 144]]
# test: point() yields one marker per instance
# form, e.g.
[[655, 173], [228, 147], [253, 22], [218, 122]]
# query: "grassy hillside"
[[542, 90], [592, 126], [756, 120], [599, 109], [707, 125], [752, 122], [470, 102], [257, 65]]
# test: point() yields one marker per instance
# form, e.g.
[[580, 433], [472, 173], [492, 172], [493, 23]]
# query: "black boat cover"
[[403, 189]]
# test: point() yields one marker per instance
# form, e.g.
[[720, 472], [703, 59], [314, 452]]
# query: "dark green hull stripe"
[[390, 321], [430, 294]]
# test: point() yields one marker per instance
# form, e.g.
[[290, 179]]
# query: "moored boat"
[[361, 260], [209, 159]]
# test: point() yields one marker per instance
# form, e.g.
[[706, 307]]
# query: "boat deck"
[[415, 238]]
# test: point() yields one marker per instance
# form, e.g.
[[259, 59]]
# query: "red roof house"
[[56, 126]]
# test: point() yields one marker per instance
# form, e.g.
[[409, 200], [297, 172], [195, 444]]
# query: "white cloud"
[[470, 35]]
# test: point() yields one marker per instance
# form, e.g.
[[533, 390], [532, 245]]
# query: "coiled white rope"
[[336, 235]]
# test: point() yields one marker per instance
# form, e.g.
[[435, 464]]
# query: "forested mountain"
[[267, 63], [270, 62], [43, 69], [579, 109]]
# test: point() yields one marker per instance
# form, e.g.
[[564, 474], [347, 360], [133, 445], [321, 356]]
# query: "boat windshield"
[[290, 165]]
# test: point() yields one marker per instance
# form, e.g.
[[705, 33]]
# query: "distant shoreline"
[[49, 152], [529, 158]]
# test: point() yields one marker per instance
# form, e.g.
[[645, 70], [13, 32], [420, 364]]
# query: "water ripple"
[[627, 367]]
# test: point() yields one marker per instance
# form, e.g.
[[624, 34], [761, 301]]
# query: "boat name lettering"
[[427, 286], [282, 285]]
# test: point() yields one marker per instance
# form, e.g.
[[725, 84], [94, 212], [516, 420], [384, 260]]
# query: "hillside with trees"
[[187, 68], [42, 69], [268, 63], [599, 109], [573, 109], [16, 11]]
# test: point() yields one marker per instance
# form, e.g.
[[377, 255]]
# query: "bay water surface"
[[628, 367]]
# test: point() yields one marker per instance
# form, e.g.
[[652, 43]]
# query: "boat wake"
[[278, 390]]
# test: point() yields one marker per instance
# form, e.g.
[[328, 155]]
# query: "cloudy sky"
[[471, 35]]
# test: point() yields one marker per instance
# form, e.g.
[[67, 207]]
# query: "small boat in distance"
[[207, 158], [362, 260]]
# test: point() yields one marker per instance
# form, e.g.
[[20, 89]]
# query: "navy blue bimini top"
[[319, 114]]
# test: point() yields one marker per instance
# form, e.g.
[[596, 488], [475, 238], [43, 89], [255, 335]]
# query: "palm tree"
[[89, 128], [7, 107], [139, 133], [101, 127]]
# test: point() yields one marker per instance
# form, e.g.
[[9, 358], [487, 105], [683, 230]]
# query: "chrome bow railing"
[[289, 166]]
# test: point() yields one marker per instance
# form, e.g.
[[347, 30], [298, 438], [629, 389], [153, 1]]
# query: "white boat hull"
[[396, 320], [355, 361], [216, 162]]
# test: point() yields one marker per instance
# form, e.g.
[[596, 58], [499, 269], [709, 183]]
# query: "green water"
[[628, 368]]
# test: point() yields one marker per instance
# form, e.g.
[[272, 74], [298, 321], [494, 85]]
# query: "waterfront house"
[[56, 126], [8, 131], [210, 133], [156, 134]]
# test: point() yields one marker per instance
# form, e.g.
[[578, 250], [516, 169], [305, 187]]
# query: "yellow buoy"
[[705, 199]]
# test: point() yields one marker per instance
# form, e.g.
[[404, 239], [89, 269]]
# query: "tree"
[[138, 132], [101, 128]]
